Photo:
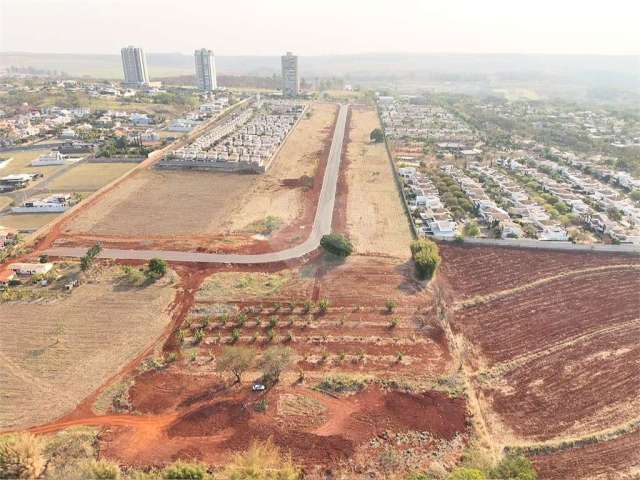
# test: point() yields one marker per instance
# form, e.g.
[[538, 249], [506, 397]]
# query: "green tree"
[[236, 360], [471, 229], [157, 267], [185, 471], [426, 257], [274, 361], [376, 135], [336, 244]]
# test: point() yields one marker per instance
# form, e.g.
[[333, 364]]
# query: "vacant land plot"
[[26, 221], [89, 177], [375, 219], [280, 192], [164, 203], [55, 354], [5, 202]]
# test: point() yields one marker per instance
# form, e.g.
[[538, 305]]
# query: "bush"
[[157, 267], [133, 275], [104, 470], [464, 473], [21, 456], [341, 384], [323, 305], [263, 461], [185, 471], [471, 229], [426, 257], [336, 244], [514, 467], [262, 405], [390, 305], [376, 135]]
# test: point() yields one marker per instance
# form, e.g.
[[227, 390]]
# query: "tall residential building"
[[205, 70], [134, 65], [290, 76]]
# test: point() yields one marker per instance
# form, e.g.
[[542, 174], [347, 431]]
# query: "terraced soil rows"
[[478, 270]]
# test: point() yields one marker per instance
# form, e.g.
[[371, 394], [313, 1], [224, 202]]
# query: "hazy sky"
[[264, 27]]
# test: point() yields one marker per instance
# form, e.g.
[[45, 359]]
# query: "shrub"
[[104, 470], [337, 244], [157, 267], [262, 405], [307, 306], [514, 467], [323, 305], [185, 471], [376, 135], [463, 473], [235, 335], [426, 257], [133, 275], [21, 456], [341, 384], [198, 335], [390, 305], [273, 322], [394, 322], [262, 461]]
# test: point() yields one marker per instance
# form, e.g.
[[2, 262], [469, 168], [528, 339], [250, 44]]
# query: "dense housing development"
[[246, 140]]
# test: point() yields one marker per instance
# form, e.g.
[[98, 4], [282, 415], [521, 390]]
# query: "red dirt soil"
[[476, 270], [603, 461]]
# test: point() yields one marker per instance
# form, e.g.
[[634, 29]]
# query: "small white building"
[[52, 158], [443, 228], [68, 133], [31, 268]]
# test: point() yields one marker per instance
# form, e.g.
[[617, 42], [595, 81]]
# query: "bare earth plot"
[[375, 221], [27, 221], [89, 177], [52, 355]]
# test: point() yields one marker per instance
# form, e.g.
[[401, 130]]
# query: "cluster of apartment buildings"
[[246, 140]]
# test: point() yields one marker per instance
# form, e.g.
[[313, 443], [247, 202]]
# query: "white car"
[[258, 387]]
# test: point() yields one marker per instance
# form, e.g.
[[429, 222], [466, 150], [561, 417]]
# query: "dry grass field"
[[5, 202], [27, 221], [299, 157], [164, 203], [52, 355], [89, 177], [376, 221]]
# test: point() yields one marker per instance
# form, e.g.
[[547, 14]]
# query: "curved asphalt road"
[[321, 223]]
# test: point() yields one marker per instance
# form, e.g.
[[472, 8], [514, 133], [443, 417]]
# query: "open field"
[[55, 353], [375, 220], [27, 221], [551, 349], [162, 203], [89, 177], [211, 210], [5, 202]]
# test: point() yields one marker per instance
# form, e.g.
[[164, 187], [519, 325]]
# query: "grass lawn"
[[27, 221]]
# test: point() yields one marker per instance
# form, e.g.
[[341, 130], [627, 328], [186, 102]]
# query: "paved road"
[[321, 223]]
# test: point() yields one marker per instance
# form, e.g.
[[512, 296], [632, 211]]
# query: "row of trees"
[[238, 360]]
